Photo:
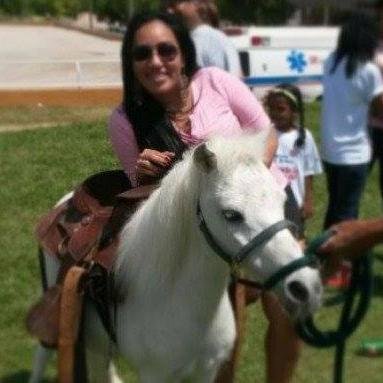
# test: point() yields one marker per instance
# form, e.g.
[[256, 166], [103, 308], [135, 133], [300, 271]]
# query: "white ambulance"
[[274, 55]]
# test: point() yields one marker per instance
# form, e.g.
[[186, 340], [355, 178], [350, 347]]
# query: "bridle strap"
[[210, 239], [306, 260], [261, 238], [257, 241], [309, 259]]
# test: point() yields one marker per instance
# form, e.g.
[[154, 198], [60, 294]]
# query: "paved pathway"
[[47, 56]]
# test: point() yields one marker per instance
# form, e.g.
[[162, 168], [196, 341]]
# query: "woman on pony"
[[169, 104]]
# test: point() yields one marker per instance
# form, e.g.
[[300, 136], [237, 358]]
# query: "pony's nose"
[[298, 291]]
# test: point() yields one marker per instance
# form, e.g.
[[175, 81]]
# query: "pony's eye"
[[232, 216]]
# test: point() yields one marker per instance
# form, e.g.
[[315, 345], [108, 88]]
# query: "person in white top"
[[352, 85], [213, 47], [376, 123], [297, 155]]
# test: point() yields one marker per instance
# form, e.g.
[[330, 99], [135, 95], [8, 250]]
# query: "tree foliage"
[[243, 11], [41, 7], [255, 11], [118, 10]]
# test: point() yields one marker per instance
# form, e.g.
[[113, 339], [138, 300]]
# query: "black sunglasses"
[[167, 51]]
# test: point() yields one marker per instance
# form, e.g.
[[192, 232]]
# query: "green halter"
[[234, 260]]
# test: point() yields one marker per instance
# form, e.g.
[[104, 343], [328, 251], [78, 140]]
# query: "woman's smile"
[[157, 77]]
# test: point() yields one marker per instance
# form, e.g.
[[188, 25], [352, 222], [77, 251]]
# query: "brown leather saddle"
[[84, 232]]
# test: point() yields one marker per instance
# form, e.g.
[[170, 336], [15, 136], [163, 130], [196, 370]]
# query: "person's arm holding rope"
[[351, 239]]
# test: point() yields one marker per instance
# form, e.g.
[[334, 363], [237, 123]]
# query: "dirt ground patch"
[[61, 97]]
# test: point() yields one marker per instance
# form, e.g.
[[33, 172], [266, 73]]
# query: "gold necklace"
[[186, 106]]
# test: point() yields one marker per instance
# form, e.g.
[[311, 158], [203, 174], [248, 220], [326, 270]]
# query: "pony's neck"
[[161, 246]]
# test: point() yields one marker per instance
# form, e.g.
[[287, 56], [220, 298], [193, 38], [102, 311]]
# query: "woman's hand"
[[152, 164]]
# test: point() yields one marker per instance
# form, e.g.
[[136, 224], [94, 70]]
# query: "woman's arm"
[[242, 102], [124, 143], [248, 110], [141, 167]]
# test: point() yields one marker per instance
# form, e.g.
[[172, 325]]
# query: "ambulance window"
[[244, 60]]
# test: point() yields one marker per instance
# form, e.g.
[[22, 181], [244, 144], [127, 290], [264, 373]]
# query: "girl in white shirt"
[[298, 158], [297, 155]]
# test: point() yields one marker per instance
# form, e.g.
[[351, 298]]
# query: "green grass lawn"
[[39, 166]]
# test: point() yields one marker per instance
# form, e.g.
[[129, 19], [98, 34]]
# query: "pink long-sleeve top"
[[223, 104]]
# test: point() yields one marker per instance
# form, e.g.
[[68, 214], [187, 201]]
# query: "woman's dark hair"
[[357, 42], [294, 98], [151, 126]]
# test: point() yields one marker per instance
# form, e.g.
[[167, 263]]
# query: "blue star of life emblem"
[[297, 61]]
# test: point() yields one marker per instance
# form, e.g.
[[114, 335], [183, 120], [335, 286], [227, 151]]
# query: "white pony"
[[176, 320]]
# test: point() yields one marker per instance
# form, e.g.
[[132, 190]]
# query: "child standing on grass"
[[297, 155]]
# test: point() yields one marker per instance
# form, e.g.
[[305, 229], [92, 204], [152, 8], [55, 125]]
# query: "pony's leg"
[[205, 372], [99, 350], [227, 371], [98, 367], [101, 369], [43, 354], [41, 359], [113, 375], [149, 376]]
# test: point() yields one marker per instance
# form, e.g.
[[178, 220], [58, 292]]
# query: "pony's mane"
[[244, 148], [154, 240], [155, 235]]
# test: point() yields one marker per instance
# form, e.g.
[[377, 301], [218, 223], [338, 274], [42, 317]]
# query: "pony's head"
[[239, 198]]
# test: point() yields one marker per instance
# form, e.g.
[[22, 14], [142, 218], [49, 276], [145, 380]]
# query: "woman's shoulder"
[[212, 73], [218, 79], [118, 112]]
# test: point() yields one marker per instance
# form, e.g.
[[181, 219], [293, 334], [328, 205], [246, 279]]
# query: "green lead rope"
[[355, 307]]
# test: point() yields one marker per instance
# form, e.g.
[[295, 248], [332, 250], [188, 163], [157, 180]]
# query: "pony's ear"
[[204, 158]]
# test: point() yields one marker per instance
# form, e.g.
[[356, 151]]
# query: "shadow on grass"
[[378, 257], [378, 285], [378, 277], [336, 297], [20, 377]]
